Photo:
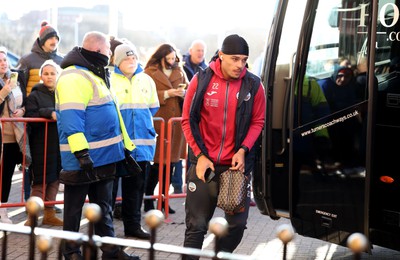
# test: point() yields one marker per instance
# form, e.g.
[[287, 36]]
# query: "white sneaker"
[[4, 216]]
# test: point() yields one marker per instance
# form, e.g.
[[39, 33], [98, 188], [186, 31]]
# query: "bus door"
[[384, 210], [271, 175], [328, 122]]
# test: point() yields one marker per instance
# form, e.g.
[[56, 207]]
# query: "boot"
[[4, 216], [170, 210], [148, 205], [50, 218]]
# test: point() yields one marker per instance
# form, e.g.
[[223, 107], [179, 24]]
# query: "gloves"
[[132, 166], [85, 162]]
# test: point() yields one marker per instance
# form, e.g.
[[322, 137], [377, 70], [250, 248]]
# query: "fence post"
[[357, 242], [34, 206], [153, 219], [219, 227], [285, 233], [92, 212], [170, 123], [4, 245], [44, 245], [161, 161]]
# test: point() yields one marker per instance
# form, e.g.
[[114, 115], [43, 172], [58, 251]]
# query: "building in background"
[[134, 22]]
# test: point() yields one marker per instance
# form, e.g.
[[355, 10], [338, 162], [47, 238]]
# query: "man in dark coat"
[[194, 60]]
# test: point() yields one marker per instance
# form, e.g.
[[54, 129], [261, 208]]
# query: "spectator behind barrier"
[[12, 105], [41, 104], [44, 48], [164, 68]]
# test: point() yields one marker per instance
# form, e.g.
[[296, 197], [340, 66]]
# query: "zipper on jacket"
[[224, 123]]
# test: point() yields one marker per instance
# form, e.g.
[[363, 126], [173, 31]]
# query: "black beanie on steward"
[[234, 44]]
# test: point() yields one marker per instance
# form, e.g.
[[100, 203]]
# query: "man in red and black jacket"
[[223, 116]]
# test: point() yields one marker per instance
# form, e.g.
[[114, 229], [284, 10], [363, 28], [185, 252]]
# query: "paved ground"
[[259, 239]]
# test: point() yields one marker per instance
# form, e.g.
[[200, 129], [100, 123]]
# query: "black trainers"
[[138, 233]]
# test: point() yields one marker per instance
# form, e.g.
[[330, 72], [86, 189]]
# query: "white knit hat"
[[122, 51], [50, 63]]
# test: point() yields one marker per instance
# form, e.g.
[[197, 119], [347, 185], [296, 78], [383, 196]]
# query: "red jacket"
[[217, 123]]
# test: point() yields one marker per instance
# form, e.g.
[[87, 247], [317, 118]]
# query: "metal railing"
[[167, 196], [25, 121], [42, 237]]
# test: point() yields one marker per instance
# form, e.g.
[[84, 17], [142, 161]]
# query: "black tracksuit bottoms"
[[201, 201]]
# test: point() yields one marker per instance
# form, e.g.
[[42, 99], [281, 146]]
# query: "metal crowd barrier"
[[91, 243], [25, 121], [168, 141], [167, 196], [42, 237]]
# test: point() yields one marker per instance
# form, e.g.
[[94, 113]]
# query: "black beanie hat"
[[46, 32], [234, 44]]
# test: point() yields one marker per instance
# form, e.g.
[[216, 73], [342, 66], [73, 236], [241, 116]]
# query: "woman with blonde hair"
[[12, 105]]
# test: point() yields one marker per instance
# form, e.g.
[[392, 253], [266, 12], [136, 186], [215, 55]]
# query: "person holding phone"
[[13, 79], [12, 105], [223, 116], [165, 69]]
